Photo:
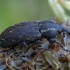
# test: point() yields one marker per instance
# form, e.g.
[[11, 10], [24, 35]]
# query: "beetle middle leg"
[[36, 42], [24, 45]]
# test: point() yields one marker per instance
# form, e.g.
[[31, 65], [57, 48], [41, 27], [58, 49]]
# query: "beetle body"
[[24, 32], [30, 32]]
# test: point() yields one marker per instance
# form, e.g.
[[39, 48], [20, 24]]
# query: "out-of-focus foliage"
[[15, 11], [61, 9]]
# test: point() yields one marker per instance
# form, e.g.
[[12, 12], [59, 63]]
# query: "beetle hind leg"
[[24, 45], [13, 49]]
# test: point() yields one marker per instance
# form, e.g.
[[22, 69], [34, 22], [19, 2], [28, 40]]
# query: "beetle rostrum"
[[30, 33]]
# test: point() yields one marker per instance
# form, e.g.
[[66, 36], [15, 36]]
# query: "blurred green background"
[[15, 11]]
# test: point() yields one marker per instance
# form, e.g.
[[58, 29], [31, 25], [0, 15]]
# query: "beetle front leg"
[[36, 42], [56, 41], [53, 40]]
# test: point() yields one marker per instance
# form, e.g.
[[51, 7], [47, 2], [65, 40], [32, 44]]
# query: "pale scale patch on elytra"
[[10, 31]]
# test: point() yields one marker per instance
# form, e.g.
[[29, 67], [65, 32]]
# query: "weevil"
[[31, 32]]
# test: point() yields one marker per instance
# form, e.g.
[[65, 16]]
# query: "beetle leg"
[[53, 40], [56, 41], [9, 51], [62, 39], [36, 42], [24, 44]]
